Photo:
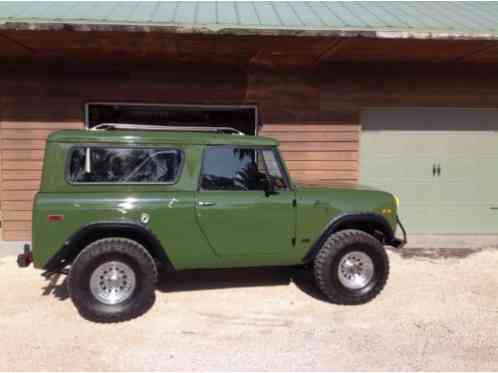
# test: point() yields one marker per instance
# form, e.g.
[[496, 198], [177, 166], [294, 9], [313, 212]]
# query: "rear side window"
[[124, 165]]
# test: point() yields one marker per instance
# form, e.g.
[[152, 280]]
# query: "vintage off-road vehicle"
[[119, 202]]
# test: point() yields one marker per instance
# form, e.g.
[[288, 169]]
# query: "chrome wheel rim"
[[356, 270], [112, 282]]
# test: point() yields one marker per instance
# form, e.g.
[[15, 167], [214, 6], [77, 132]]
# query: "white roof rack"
[[146, 127]]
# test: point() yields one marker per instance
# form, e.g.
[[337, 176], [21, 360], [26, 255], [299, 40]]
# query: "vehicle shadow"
[[238, 278], [305, 281], [56, 286], [205, 279], [211, 279]]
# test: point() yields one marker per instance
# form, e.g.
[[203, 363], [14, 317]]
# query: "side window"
[[274, 169], [226, 168], [124, 165]]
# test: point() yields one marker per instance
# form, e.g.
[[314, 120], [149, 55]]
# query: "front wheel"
[[112, 280], [351, 267]]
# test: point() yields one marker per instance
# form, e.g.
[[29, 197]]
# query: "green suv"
[[120, 202]]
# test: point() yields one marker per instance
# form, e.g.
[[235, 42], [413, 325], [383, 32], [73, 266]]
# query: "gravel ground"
[[435, 314]]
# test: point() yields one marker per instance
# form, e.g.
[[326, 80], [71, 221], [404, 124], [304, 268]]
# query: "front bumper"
[[26, 258], [399, 242]]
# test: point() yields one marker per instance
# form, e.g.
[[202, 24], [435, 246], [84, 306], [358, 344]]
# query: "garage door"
[[442, 163]]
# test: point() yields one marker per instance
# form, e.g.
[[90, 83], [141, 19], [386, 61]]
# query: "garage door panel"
[[427, 219], [398, 155], [415, 170], [419, 217], [392, 143], [466, 192], [476, 144], [464, 217], [469, 179]]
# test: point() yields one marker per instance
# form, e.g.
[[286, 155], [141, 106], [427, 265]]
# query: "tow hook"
[[26, 258]]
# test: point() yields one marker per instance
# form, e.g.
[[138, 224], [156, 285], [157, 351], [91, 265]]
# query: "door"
[[442, 163], [234, 209]]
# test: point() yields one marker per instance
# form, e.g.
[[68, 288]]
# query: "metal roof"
[[157, 138], [380, 19]]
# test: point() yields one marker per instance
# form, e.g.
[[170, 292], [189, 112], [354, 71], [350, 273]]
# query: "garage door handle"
[[436, 170], [493, 208]]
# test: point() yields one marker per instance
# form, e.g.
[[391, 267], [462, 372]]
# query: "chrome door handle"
[[206, 203]]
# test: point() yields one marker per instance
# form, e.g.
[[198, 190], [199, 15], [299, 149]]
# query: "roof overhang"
[[272, 48]]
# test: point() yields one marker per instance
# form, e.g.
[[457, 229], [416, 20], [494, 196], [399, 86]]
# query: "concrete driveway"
[[435, 314]]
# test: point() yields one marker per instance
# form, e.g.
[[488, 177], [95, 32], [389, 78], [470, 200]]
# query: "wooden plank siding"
[[21, 149], [318, 154]]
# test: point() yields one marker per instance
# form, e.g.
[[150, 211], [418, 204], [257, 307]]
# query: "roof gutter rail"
[[163, 128]]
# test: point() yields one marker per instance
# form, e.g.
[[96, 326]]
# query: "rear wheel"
[[112, 280], [351, 267]]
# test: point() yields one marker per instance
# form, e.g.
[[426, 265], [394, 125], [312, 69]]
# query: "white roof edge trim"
[[82, 26]]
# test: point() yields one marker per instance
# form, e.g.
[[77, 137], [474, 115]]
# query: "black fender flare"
[[351, 219], [102, 229]]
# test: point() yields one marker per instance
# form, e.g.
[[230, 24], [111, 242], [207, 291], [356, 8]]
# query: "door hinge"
[[294, 203], [294, 241]]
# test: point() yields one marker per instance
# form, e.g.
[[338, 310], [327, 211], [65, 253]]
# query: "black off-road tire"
[[91, 257], [326, 264]]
